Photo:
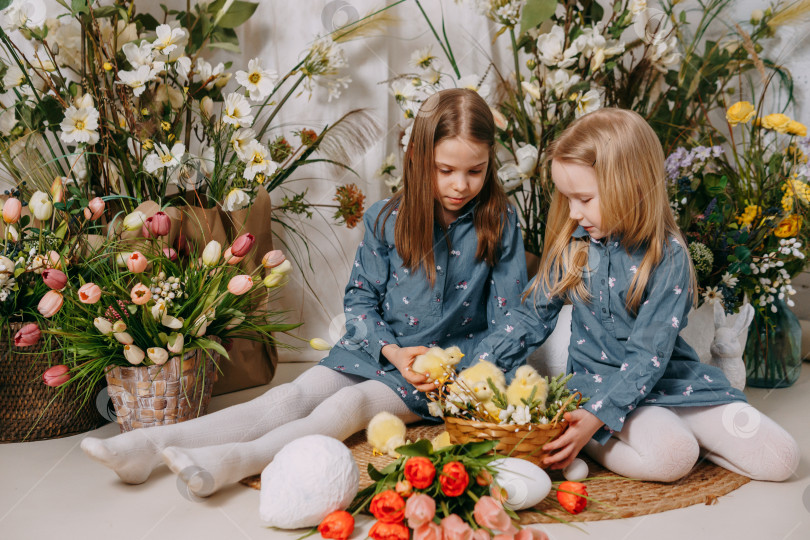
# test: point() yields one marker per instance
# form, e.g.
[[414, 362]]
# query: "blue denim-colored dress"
[[619, 360], [386, 303]]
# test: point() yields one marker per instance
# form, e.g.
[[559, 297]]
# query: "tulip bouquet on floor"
[[137, 302], [444, 493]]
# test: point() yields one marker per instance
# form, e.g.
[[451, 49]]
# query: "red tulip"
[[50, 303], [55, 279], [56, 375], [160, 224], [94, 209], [27, 335], [242, 245]]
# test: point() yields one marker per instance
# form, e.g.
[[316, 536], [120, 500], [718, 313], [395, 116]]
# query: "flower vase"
[[773, 350], [179, 390]]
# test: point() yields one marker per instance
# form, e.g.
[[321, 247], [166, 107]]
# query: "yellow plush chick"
[[526, 379], [477, 375], [386, 432], [441, 440], [437, 362]]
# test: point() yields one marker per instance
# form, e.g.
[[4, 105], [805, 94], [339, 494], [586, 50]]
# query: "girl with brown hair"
[[614, 251], [441, 263]]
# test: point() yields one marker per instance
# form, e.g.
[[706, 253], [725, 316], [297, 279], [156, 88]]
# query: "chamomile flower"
[[163, 157], [258, 81], [80, 125], [258, 160], [236, 110], [168, 39]]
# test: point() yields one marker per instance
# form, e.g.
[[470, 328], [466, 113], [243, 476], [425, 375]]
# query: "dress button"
[[603, 282], [604, 310]]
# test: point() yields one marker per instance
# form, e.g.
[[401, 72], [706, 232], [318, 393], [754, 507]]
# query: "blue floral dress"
[[619, 360], [386, 303]]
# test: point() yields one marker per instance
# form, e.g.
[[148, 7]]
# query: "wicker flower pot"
[[30, 410], [524, 442], [177, 391]]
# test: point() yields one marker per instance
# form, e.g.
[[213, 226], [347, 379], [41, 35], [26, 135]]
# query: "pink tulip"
[[94, 209], [242, 245], [170, 254], [57, 190], [50, 303], [528, 533], [140, 294], [160, 224], [89, 293], [430, 531], [56, 375], [481, 534], [503, 536], [145, 228], [273, 258], [454, 528], [419, 510], [27, 335], [489, 513], [11, 210], [136, 262], [55, 279], [55, 260], [239, 285], [230, 258]]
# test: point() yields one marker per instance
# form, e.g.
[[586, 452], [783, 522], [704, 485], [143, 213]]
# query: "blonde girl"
[[613, 249], [441, 263]]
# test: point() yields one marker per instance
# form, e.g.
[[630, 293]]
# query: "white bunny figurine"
[[727, 347]]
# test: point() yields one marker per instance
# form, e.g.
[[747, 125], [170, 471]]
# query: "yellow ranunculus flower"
[[748, 216], [789, 226], [777, 122], [797, 128], [740, 113]]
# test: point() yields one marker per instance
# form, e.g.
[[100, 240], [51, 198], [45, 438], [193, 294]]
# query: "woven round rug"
[[617, 496]]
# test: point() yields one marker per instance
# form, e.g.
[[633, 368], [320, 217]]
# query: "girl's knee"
[[780, 459], [676, 459]]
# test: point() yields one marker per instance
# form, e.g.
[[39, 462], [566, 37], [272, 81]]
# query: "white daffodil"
[[526, 159], [422, 58], [240, 139], [559, 81], [522, 415], [258, 81], [236, 110], [403, 91], [551, 49], [207, 74], [588, 102], [663, 52], [257, 157], [183, 67], [80, 125], [592, 44], [162, 157], [138, 55], [168, 39], [531, 89], [24, 14], [41, 206], [510, 176], [236, 200], [137, 79], [14, 77]]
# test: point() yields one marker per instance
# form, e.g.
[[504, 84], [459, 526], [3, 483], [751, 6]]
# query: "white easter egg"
[[307, 480], [576, 471], [525, 483]]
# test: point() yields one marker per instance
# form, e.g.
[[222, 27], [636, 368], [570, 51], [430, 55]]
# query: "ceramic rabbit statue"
[[726, 350]]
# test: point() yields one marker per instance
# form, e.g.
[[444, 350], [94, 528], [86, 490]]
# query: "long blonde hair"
[[628, 160], [454, 112]]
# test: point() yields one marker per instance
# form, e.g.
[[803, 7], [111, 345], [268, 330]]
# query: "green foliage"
[[535, 13]]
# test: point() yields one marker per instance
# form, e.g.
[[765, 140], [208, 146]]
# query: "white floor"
[[49, 489]]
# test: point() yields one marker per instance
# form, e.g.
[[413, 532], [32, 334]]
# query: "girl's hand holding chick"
[[402, 358], [582, 426]]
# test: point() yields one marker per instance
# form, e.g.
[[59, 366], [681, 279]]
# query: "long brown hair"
[[456, 112], [628, 160]]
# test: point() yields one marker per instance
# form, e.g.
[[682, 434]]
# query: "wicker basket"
[[525, 442], [148, 396], [30, 410]]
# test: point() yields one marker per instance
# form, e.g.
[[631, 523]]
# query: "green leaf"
[[421, 448], [374, 474], [147, 21], [535, 12], [714, 184], [211, 344], [475, 449], [4, 4], [105, 11], [79, 6], [230, 47], [238, 13]]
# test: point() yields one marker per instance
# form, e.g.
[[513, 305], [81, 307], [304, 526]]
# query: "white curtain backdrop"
[[281, 30]]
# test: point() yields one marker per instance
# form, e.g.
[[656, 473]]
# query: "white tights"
[[663, 444], [224, 447]]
